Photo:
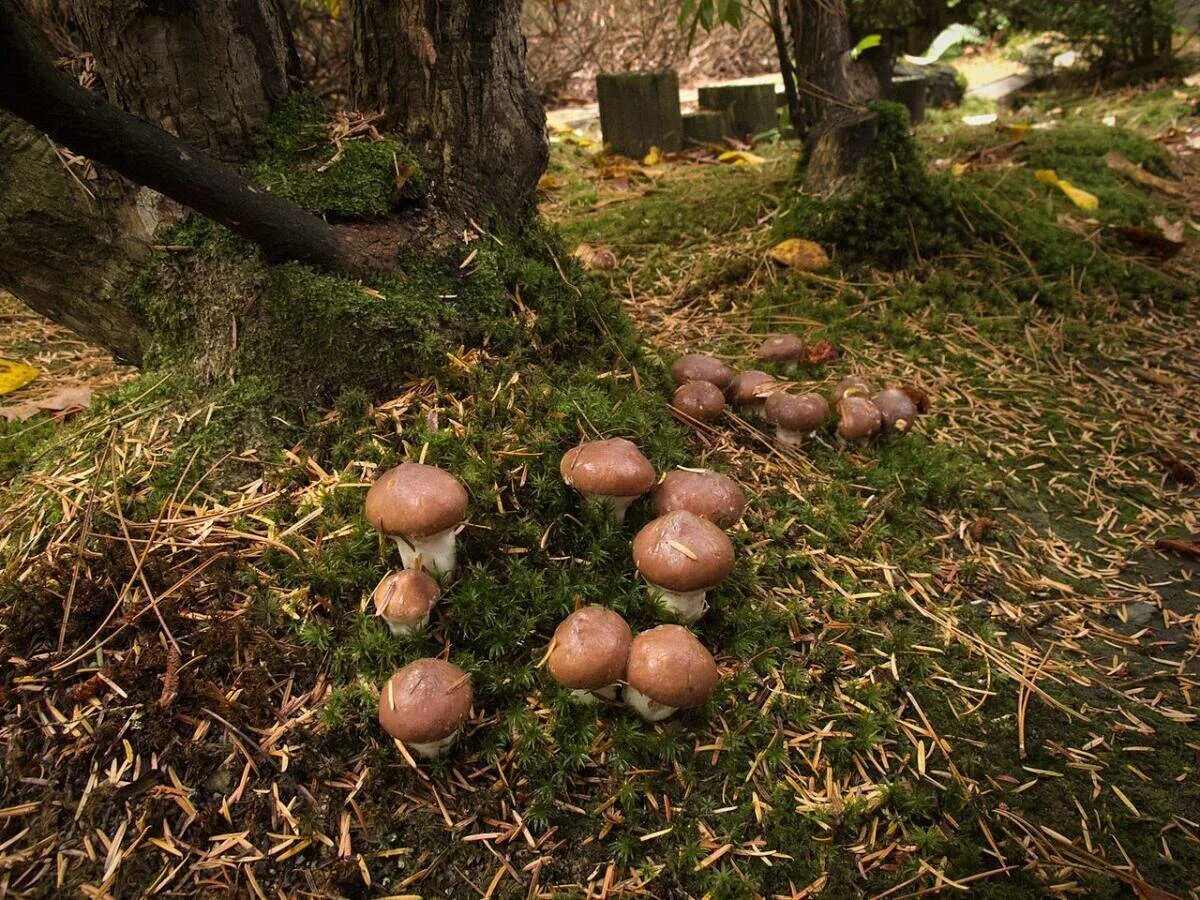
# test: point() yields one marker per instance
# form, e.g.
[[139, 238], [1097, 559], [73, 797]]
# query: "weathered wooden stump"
[[640, 110], [911, 90], [838, 149], [750, 108], [704, 127]]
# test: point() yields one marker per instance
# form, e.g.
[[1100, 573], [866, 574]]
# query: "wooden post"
[[640, 110], [750, 108], [911, 90], [704, 127], [837, 150]]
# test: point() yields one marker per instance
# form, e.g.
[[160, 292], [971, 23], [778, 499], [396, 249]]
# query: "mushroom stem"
[[792, 438], [609, 692], [435, 552], [650, 710], [432, 749], [399, 629], [617, 506], [687, 606]]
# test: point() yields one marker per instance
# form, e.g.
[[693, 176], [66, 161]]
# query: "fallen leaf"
[[1184, 548], [1110, 121], [820, 353], [976, 121], [740, 158], [595, 258], [653, 158], [549, 182], [18, 413], [15, 375], [1119, 163], [1192, 80], [1172, 231], [63, 403], [959, 169], [1153, 242], [1177, 468], [980, 527], [1017, 131], [1078, 196], [798, 253]]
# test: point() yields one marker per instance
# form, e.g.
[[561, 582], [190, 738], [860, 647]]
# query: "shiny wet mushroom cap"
[[708, 495], [425, 705], [589, 650], [858, 419], [405, 599], [699, 400], [897, 408], [614, 472], [749, 390], [851, 385], [419, 507], [781, 349], [795, 417], [668, 670], [682, 555], [698, 367]]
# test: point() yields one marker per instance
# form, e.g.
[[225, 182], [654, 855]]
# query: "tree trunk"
[[821, 38], [449, 76]]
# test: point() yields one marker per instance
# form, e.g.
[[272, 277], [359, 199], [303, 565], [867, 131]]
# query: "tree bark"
[[821, 37], [449, 76]]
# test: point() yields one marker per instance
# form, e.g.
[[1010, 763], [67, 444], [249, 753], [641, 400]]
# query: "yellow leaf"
[[959, 169], [1047, 176], [15, 375], [1078, 196], [740, 158], [549, 182], [800, 254], [1018, 131], [653, 158]]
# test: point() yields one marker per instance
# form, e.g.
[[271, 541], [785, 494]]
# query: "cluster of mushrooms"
[[706, 385]]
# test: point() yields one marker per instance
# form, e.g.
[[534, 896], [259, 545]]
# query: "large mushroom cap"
[[590, 648], [851, 385], [897, 408], [858, 418], [613, 468], [806, 412], [749, 388], [708, 495], [699, 400], [682, 552], [698, 367], [671, 667], [406, 596], [781, 348], [413, 500], [426, 701]]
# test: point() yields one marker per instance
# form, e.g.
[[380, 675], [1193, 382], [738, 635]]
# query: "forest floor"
[[956, 662]]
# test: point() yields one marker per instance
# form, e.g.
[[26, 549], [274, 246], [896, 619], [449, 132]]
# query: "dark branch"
[[31, 88]]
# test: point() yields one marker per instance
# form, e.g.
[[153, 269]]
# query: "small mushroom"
[[589, 652], [612, 473], [707, 494], [850, 386], [897, 408], [859, 419], [668, 670], [419, 507], [699, 400], [425, 705], [698, 367], [795, 418], [682, 556], [784, 350], [405, 599], [748, 391], [917, 394]]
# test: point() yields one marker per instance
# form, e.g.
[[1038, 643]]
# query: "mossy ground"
[[881, 661]]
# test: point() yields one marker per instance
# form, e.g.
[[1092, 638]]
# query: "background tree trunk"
[[821, 40]]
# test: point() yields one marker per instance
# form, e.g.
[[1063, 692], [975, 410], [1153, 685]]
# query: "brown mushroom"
[[850, 386], [419, 507], [698, 367], [699, 400], [613, 473], [784, 350], [405, 599], [748, 391], [668, 670], [682, 556], [709, 495], [589, 651], [897, 408], [795, 418], [425, 705], [859, 419]]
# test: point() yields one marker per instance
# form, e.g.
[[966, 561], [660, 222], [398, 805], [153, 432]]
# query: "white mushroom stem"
[[435, 552], [687, 606], [618, 506], [433, 749], [402, 629], [589, 697], [792, 438], [650, 710]]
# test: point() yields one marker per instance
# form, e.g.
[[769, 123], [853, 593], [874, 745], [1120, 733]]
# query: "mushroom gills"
[[608, 692], [433, 749], [435, 552], [648, 709], [687, 606], [400, 629], [618, 506]]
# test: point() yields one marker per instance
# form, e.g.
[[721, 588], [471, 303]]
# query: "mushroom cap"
[[661, 552], [428, 700], [612, 468], [701, 400], [749, 387], [897, 408], [709, 495], [917, 394], [406, 596], [859, 418], [590, 648], [781, 348], [414, 500], [670, 666], [806, 412], [851, 384], [698, 367]]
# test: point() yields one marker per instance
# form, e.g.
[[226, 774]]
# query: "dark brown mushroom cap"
[[428, 700], [590, 648], [415, 501], [858, 418], [406, 596], [698, 367], [708, 495], [897, 408], [749, 388], [671, 667], [806, 412], [850, 385], [781, 348], [612, 468], [701, 400], [682, 552]]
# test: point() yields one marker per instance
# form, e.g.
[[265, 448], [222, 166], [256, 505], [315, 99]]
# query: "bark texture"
[[450, 78], [820, 31]]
